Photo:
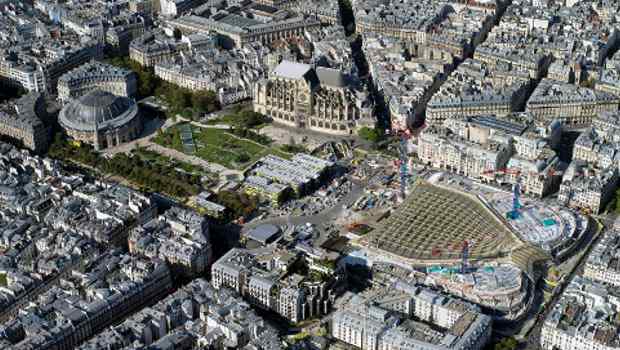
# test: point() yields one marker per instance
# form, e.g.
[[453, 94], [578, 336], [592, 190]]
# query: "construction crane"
[[463, 248], [465, 256], [404, 135], [516, 203], [516, 190]]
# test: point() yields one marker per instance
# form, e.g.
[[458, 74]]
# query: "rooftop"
[[434, 222]]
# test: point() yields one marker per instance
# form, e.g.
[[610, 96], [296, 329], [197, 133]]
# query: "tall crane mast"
[[404, 160], [465, 256], [516, 191]]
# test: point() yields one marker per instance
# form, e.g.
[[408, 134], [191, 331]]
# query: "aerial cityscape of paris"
[[309, 174]]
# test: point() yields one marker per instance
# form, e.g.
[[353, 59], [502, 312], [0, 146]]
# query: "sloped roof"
[[292, 70]]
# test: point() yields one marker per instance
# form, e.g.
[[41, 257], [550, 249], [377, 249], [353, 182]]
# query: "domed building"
[[101, 119]]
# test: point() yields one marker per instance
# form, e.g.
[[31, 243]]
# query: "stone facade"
[[22, 121], [318, 99], [96, 75]]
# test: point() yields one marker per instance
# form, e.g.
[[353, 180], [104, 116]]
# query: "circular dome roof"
[[97, 110]]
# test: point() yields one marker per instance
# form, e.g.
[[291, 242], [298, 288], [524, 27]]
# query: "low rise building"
[[410, 317], [334, 53], [87, 301], [474, 89], [226, 73], [582, 318], [492, 148], [236, 28], [123, 29], [406, 20], [96, 76], [104, 214], [178, 236], [572, 105], [598, 145], [442, 149], [276, 177], [172, 8], [587, 188], [24, 120], [155, 47], [266, 188], [603, 263], [405, 85], [265, 278], [609, 77], [194, 316], [591, 180], [327, 12], [38, 67]]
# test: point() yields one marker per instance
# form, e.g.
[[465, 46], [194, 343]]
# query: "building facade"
[[24, 122], [318, 99], [97, 76], [258, 275], [573, 106], [385, 323]]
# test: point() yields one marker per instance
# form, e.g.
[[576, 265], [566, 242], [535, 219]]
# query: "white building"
[[384, 321]]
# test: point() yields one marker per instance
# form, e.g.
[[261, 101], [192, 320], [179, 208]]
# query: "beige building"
[[236, 30], [385, 322], [585, 188], [19, 69], [444, 150], [23, 122], [320, 99], [602, 264], [151, 49], [573, 106], [97, 76], [591, 180], [260, 277], [473, 89]]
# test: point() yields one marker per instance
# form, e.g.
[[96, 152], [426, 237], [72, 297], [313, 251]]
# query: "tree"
[[239, 203], [179, 99], [248, 119], [370, 134], [243, 157], [177, 34], [508, 343], [205, 101]]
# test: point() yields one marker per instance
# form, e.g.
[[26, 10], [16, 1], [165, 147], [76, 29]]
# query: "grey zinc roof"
[[97, 109], [263, 233], [331, 77], [292, 70]]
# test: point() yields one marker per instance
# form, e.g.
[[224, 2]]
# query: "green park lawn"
[[219, 146]]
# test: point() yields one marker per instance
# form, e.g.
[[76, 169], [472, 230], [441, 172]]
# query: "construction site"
[[500, 287], [554, 229], [441, 225]]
